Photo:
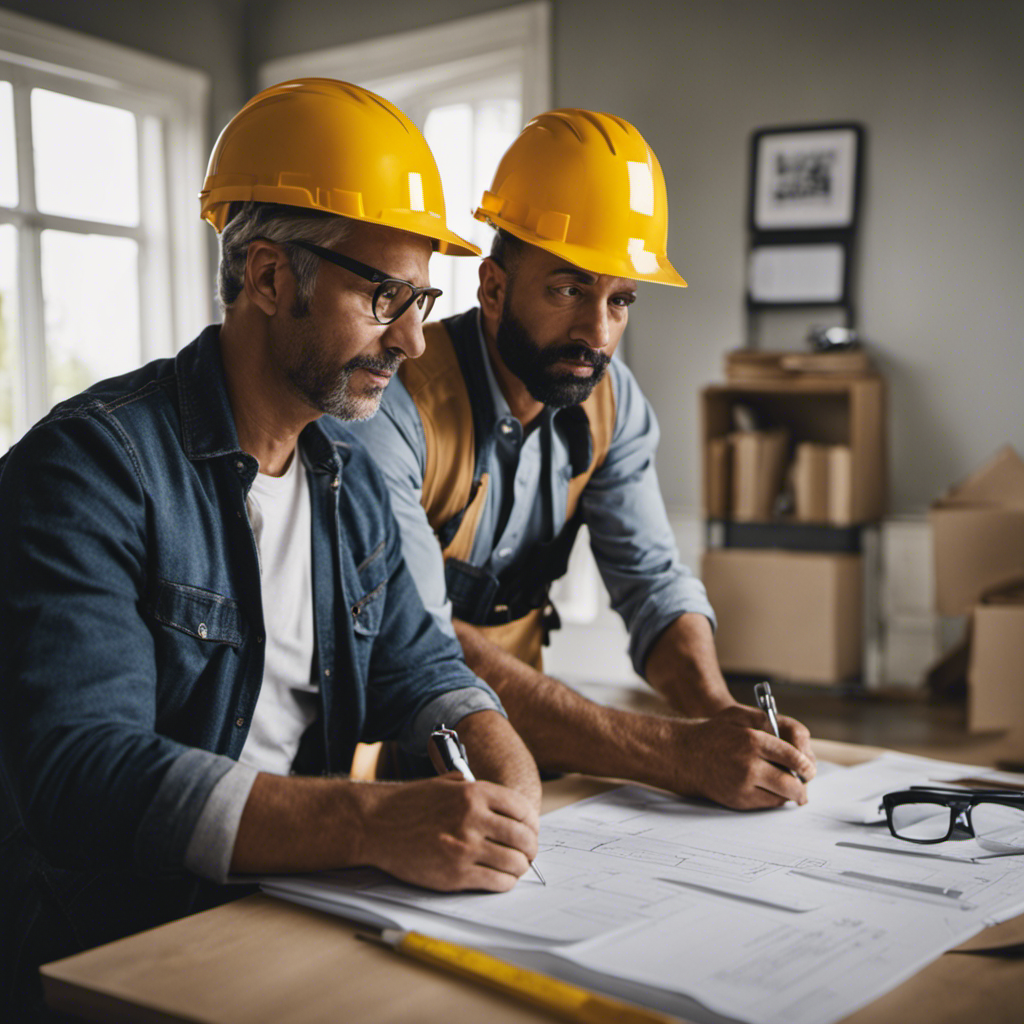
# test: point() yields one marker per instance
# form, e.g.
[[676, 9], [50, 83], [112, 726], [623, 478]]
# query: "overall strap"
[[466, 344], [436, 385]]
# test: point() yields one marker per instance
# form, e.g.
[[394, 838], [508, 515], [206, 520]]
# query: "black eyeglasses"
[[926, 814], [392, 297]]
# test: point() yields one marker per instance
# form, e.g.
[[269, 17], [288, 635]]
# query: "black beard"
[[532, 364]]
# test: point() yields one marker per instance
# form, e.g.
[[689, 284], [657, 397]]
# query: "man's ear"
[[493, 288], [265, 265]]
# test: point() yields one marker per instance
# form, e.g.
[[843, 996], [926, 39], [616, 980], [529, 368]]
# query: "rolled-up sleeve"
[[630, 533], [212, 842], [95, 784], [395, 436]]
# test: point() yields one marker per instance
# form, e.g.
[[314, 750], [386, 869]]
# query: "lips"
[[577, 367]]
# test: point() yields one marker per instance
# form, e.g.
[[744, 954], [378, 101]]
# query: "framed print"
[[798, 275], [805, 178]]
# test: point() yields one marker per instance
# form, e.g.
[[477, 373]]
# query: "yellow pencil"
[[567, 1001]]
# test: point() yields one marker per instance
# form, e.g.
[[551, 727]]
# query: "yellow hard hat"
[[328, 145], [587, 187]]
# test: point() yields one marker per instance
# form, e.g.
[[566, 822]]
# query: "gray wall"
[[937, 83], [941, 292], [204, 34]]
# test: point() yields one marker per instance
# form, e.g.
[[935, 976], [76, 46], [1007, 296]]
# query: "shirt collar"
[[207, 422]]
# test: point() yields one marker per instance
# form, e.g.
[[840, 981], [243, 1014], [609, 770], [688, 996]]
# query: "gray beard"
[[329, 390]]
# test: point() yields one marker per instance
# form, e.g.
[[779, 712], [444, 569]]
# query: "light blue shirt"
[[622, 506]]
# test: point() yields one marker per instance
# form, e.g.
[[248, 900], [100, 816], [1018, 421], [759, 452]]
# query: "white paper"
[[778, 917]]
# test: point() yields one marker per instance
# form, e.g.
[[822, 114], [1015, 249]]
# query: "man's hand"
[[449, 834], [732, 759]]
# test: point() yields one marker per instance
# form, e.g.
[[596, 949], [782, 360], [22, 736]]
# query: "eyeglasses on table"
[[932, 814]]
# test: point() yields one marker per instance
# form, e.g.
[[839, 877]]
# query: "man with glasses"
[[516, 427], [205, 605]]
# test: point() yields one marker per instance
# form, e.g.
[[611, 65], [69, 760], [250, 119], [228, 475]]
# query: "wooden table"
[[264, 961]]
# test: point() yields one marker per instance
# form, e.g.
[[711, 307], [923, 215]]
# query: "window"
[[467, 84], [102, 258]]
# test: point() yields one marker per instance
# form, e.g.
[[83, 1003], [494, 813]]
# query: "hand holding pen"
[[766, 702], [447, 754]]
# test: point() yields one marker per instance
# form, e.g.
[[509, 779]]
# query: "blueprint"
[[790, 915]]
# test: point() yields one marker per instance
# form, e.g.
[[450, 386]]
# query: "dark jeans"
[[48, 912]]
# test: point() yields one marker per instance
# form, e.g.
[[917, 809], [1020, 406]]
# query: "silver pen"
[[449, 755], [766, 702]]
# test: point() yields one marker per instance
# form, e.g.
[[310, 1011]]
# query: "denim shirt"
[[131, 625], [630, 534]]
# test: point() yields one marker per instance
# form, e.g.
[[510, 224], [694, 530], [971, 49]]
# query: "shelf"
[[841, 411]]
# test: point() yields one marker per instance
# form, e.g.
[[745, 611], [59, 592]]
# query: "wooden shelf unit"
[[842, 410]]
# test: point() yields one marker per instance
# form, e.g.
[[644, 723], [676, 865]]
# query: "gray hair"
[[281, 224]]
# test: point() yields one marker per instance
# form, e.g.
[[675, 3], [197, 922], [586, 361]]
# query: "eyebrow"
[[580, 275], [583, 277]]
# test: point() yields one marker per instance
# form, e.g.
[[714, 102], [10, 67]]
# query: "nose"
[[406, 334], [593, 327]]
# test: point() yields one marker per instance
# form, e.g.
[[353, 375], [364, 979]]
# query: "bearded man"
[[516, 426]]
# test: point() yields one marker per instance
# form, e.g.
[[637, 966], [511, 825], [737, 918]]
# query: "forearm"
[[441, 833], [683, 667], [301, 824], [563, 730], [497, 753]]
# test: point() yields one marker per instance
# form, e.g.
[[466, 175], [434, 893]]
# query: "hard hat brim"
[[591, 260], [217, 201]]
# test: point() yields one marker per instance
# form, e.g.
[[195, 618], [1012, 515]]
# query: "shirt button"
[[239, 464], [259, 638], [506, 427], [504, 552], [239, 722], [202, 630], [335, 484], [327, 671]]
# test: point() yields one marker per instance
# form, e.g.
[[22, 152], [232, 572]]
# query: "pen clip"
[[764, 698], [446, 751]]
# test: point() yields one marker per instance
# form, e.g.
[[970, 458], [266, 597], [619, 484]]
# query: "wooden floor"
[[898, 719]]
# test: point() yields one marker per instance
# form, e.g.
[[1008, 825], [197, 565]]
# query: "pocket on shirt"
[[367, 610], [203, 614]]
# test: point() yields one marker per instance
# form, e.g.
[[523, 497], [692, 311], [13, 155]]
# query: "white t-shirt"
[[279, 511]]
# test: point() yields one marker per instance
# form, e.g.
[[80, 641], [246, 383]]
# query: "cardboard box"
[[811, 482], [758, 472], [718, 478], [793, 614], [978, 533], [840, 485], [995, 679], [823, 483]]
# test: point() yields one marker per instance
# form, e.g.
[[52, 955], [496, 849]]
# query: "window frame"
[[171, 105], [444, 54], [501, 54]]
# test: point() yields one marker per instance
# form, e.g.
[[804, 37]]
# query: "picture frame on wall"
[[806, 178]]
